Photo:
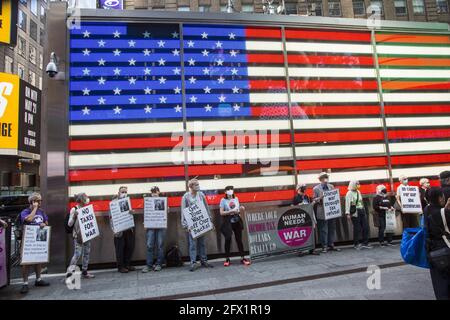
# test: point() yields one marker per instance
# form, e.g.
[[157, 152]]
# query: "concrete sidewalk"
[[180, 283]]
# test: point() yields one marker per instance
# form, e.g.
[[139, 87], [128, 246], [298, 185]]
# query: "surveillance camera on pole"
[[52, 67]]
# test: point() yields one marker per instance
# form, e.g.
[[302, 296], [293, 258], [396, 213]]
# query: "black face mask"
[[303, 189], [384, 191]]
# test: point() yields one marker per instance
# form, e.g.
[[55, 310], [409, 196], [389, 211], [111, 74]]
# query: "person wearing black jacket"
[[434, 230], [423, 190], [381, 204], [444, 176]]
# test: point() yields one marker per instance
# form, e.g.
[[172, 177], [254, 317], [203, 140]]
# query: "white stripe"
[[264, 45], [414, 73], [179, 186], [412, 50], [414, 147], [268, 97], [418, 121], [332, 72], [340, 150], [305, 124], [266, 72], [124, 128], [298, 47], [416, 96], [248, 125], [419, 172], [347, 176], [334, 97]]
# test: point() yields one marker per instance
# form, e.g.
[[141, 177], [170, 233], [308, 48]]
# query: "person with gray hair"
[[354, 210], [79, 248], [194, 195], [423, 190]]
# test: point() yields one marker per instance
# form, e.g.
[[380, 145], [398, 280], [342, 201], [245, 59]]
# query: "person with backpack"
[[79, 248], [230, 211], [355, 211], [34, 216], [194, 195], [438, 237], [381, 204], [155, 240]]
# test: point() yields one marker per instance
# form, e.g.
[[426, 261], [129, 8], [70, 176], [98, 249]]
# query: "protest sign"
[[155, 212], [332, 204], [410, 198], [275, 231], [3, 261], [35, 245], [197, 219], [121, 217], [88, 223], [391, 222]]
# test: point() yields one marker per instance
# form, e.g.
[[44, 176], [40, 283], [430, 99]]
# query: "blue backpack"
[[413, 247]]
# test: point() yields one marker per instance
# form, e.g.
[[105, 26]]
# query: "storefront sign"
[[8, 21], [88, 223], [121, 217], [110, 4], [3, 261], [274, 231], [198, 219], [36, 245], [332, 204], [155, 212], [410, 198]]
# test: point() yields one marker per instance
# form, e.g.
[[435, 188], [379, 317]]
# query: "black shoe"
[[301, 254], [314, 253], [24, 289], [205, 264], [41, 283]]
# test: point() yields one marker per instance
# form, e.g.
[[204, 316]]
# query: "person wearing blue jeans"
[[194, 195], [155, 242]]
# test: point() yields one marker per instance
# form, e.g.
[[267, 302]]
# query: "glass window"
[[184, 9], [358, 7], [41, 61], [291, 8], [376, 5], [247, 8], [22, 20], [334, 8], [33, 58], [223, 8], [22, 46], [9, 64], [21, 71], [32, 77], [33, 30], [418, 6], [400, 7], [315, 8], [43, 12], [40, 83], [34, 7], [24, 2], [41, 36], [204, 8], [441, 6]]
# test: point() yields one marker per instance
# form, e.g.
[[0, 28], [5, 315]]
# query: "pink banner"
[[3, 275]]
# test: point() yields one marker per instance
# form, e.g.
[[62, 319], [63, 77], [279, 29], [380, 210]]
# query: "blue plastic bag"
[[413, 247]]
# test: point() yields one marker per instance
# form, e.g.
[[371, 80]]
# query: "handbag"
[[353, 206], [413, 248], [440, 258]]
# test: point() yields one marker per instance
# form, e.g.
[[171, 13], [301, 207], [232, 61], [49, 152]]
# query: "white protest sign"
[[35, 245], [121, 217], [332, 204], [88, 223], [155, 212], [410, 198], [197, 219], [391, 222]]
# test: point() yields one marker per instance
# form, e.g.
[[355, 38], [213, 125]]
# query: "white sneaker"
[[146, 269]]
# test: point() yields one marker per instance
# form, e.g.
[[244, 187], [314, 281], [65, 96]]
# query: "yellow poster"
[[9, 110], [5, 21]]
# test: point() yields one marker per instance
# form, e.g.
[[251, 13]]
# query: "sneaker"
[[87, 275], [123, 270], [333, 248], [193, 267], [366, 246], [157, 268], [131, 268], [24, 289], [382, 244], [390, 244], [205, 264], [146, 269], [324, 250], [227, 263], [41, 283], [245, 261], [357, 247]]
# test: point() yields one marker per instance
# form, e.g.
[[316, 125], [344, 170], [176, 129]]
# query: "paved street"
[[329, 276]]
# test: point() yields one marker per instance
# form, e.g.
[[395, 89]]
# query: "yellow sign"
[[8, 21], [9, 110]]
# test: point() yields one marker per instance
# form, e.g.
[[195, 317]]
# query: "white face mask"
[[405, 181], [123, 194], [87, 201], [196, 187], [229, 192]]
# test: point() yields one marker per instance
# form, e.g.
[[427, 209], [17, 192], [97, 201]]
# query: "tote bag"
[[413, 249], [391, 221]]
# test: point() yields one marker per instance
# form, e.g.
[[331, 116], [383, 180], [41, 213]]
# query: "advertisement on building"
[[8, 22], [110, 4]]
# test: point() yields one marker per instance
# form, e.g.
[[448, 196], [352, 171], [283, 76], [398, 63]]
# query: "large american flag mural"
[[129, 108]]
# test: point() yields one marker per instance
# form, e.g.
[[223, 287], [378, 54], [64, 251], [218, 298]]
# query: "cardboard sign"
[[275, 231], [35, 245], [88, 223], [121, 217], [391, 222], [410, 198], [332, 204], [155, 212], [197, 219], [3, 261]]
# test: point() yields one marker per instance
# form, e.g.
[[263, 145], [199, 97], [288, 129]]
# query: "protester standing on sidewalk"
[[194, 195], [155, 241], [327, 228], [435, 230], [123, 241], [302, 198], [34, 216], [424, 187], [79, 248], [354, 210], [230, 211], [381, 204], [410, 220], [444, 178]]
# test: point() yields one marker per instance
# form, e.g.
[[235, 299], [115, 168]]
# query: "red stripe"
[[419, 134], [420, 159], [119, 144], [417, 109], [337, 163], [327, 35], [333, 85], [265, 58], [267, 84], [330, 60], [262, 32], [311, 111]]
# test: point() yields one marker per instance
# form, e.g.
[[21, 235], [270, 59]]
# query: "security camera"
[[52, 68]]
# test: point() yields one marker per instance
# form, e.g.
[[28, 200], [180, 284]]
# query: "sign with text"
[[3, 261], [275, 231], [410, 198], [35, 245], [332, 204], [198, 219], [8, 21], [155, 212], [391, 222], [110, 4], [88, 223], [121, 217]]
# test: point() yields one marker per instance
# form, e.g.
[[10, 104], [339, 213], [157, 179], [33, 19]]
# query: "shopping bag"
[[413, 249], [391, 221]]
